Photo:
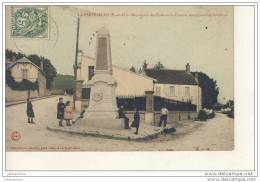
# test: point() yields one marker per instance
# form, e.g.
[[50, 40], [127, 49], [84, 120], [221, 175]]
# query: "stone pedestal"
[[102, 104], [102, 111]]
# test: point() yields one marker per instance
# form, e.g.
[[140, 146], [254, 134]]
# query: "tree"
[[144, 66], [209, 90], [132, 69], [159, 66], [63, 82], [10, 54], [48, 69]]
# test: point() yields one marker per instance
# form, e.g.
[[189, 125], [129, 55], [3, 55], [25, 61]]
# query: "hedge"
[[23, 85]]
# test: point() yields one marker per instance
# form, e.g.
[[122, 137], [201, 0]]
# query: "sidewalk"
[[146, 132], [7, 104]]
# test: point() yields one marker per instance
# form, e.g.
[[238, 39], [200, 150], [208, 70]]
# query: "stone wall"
[[173, 116], [17, 95]]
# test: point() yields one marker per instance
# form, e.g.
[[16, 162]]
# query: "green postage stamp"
[[30, 22]]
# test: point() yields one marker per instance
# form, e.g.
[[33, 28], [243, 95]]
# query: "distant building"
[[24, 69], [177, 85]]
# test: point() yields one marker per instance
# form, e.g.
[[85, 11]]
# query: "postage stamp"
[[29, 22]]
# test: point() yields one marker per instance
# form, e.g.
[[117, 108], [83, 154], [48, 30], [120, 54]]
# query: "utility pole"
[[75, 66]]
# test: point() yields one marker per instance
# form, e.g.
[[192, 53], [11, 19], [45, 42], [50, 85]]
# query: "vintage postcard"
[[119, 78], [129, 89]]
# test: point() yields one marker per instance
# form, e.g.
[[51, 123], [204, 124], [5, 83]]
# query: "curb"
[[145, 138]]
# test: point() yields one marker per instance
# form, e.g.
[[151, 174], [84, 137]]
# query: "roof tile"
[[166, 76]]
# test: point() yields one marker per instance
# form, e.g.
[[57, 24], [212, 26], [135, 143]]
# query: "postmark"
[[30, 22]]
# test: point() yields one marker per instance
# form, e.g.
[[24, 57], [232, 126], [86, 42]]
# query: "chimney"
[[188, 68], [41, 67], [197, 77]]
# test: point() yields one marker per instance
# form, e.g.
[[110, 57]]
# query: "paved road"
[[216, 134]]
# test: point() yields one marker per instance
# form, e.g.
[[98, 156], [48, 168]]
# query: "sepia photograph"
[[119, 78]]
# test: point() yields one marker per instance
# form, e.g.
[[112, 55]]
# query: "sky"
[[173, 35]]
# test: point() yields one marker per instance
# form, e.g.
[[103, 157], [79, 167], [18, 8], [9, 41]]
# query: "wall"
[[16, 95], [128, 83], [172, 116], [16, 72]]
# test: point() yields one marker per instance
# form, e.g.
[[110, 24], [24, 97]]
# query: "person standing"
[[122, 115], [68, 113], [60, 110], [29, 111], [163, 118], [136, 120]]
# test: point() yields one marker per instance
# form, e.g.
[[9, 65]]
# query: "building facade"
[[24, 69], [178, 85]]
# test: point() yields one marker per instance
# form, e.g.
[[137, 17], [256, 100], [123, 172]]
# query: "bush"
[[23, 85], [202, 116], [211, 115], [230, 114]]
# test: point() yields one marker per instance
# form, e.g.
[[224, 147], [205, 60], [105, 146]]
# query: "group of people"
[[136, 121], [65, 112]]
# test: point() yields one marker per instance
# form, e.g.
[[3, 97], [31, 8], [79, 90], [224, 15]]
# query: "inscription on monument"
[[102, 54]]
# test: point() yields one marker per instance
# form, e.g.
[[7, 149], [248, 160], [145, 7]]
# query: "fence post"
[[149, 115]]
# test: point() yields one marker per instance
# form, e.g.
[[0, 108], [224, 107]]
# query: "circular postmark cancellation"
[[15, 135], [29, 22]]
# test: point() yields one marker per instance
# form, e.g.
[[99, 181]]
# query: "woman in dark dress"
[[29, 111], [136, 120], [60, 111]]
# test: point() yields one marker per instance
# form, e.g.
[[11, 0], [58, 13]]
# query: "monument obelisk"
[[102, 110]]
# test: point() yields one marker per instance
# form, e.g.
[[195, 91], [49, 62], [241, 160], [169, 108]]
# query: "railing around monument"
[[130, 102], [172, 105]]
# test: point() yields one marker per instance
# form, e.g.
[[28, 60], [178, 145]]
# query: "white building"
[[178, 85]]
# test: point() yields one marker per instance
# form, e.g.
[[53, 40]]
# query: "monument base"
[[106, 123]]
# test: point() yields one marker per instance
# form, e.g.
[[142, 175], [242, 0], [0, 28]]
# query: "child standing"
[[68, 113], [29, 111], [60, 110], [136, 122]]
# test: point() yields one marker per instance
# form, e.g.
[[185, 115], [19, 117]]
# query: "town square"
[[105, 89]]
